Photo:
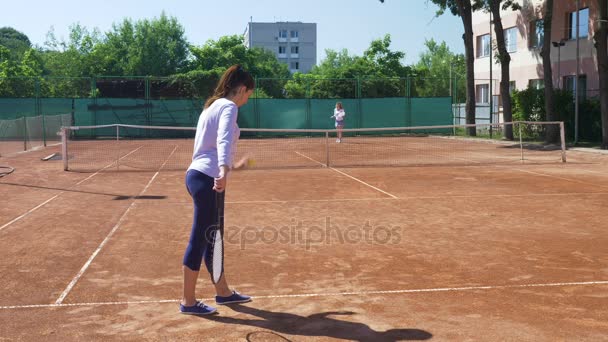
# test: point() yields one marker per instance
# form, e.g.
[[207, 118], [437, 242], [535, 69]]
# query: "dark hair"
[[232, 78], [339, 105]]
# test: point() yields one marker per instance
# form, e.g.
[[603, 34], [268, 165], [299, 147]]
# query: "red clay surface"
[[494, 252]]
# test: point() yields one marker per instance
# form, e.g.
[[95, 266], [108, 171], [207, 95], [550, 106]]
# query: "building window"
[[295, 65], [282, 49], [483, 45], [537, 34], [511, 39], [482, 93], [294, 34], [295, 49], [282, 33], [583, 26], [570, 85], [536, 84]]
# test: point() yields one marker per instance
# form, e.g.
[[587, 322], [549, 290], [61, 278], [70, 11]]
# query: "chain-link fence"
[[304, 102]]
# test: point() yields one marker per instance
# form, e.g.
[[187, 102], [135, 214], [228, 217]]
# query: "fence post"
[[94, 96], [24, 133], [64, 147], [117, 147], [359, 102], [521, 145], [39, 105], [562, 136], [147, 110], [308, 110], [326, 148], [256, 104], [408, 101]]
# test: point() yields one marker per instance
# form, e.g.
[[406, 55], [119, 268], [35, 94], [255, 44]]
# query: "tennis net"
[[30, 133], [131, 147]]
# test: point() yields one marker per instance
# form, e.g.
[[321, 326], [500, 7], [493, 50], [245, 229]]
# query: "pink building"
[[524, 35]]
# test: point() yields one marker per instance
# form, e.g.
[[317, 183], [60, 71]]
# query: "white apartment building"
[[294, 43]]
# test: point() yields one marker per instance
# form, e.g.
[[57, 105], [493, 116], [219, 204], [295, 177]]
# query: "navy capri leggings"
[[206, 219]]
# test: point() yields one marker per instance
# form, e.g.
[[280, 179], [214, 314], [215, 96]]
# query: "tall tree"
[[494, 6], [601, 45], [72, 57], [379, 72], [155, 47], [437, 67], [552, 132], [209, 61], [16, 42], [464, 9]]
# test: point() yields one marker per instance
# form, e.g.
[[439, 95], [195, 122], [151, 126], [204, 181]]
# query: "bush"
[[529, 105]]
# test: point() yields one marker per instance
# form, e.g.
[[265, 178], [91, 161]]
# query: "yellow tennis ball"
[[250, 162]]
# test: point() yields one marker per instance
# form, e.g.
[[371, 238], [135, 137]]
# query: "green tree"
[[379, 72], [436, 68], [160, 47], [211, 60], [552, 132], [16, 42], [74, 57], [464, 9], [155, 47]]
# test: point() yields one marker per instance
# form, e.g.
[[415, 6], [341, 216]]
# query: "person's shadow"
[[320, 324]]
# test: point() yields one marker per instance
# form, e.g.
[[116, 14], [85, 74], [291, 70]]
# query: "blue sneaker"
[[199, 309], [235, 297]]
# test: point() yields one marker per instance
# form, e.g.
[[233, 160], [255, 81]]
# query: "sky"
[[341, 24]]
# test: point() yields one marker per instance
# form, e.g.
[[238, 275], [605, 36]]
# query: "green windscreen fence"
[[277, 103], [257, 113]]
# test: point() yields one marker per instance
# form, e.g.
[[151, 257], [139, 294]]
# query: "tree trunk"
[[553, 130], [505, 60], [464, 7], [601, 45]]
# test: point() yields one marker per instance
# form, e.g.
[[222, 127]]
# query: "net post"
[[326, 148], [562, 136], [521, 145], [64, 147], [117, 147]]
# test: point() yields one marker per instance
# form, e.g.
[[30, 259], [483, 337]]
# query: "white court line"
[[406, 198], [560, 178], [107, 238], [60, 193], [349, 176], [30, 211], [326, 294]]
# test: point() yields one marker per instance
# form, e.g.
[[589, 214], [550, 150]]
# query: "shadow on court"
[[116, 196], [318, 325]]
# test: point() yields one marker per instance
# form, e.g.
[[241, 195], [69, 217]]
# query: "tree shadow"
[[318, 325]]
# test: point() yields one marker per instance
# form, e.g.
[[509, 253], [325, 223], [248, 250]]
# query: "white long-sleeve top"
[[216, 137], [339, 114]]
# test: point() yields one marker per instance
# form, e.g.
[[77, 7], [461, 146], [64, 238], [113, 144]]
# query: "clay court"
[[441, 246]]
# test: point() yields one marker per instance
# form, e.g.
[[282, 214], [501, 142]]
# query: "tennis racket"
[[217, 240]]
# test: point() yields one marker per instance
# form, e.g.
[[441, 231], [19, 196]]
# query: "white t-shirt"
[[216, 137], [339, 114]]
